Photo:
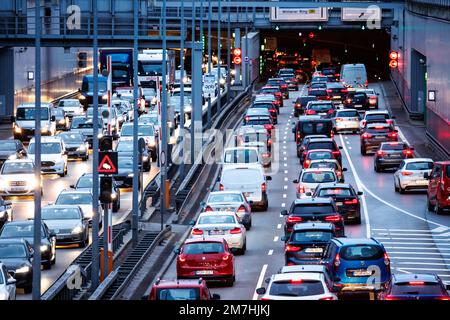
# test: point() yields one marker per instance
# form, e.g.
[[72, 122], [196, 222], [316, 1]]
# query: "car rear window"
[[431, 288], [305, 100], [258, 121], [373, 117], [326, 165], [203, 248], [348, 114], [393, 146], [318, 92], [237, 175], [320, 155], [318, 177], [311, 236], [315, 127], [361, 252], [329, 192], [216, 219], [321, 145], [241, 156], [321, 107], [262, 105], [317, 208], [379, 129], [178, 294], [421, 166], [296, 288]]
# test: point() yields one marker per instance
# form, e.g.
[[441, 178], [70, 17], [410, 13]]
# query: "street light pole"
[[163, 155], [181, 173], [229, 54], [37, 159], [209, 56], [137, 159], [192, 77], [219, 106]]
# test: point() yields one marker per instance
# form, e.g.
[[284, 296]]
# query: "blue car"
[[358, 265]]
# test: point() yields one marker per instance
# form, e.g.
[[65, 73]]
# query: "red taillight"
[[221, 187], [263, 187], [197, 232], [367, 83], [389, 297], [310, 112], [336, 153], [290, 248], [329, 91], [392, 135], [300, 188], [344, 90], [339, 173], [330, 111], [306, 163], [407, 152], [241, 209], [416, 283], [406, 173], [337, 75], [235, 231], [265, 299], [444, 298], [373, 101], [386, 259], [339, 119], [266, 155], [327, 298], [181, 258], [349, 100], [284, 86], [296, 281], [294, 219], [363, 123], [337, 261], [269, 142], [381, 153], [273, 110], [298, 105], [208, 209], [366, 136], [334, 218], [247, 118], [353, 201], [226, 257]]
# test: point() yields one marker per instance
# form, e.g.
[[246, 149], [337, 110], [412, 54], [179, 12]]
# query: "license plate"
[[216, 232], [314, 250], [358, 105], [394, 156], [336, 97], [379, 137], [422, 181], [17, 189], [362, 273], [339, 203], [204, 272]]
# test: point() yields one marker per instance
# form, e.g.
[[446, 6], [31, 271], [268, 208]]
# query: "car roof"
[[427, 277], [241, 148], [377, 112], [312, 201], [233, 166], [321, 140], [313, 118], [303, 268], [335, 84], [214, 213], [21, 222], [356, 241], [313, 226], [320, 102], [340, 110], [204, 239], [324, 160], [75, 191], [226, 192], [299, 275], [49, 138]]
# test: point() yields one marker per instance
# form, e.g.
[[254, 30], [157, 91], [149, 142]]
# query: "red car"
[[210, 259], [317, 154], [181, 290], [438, 193]]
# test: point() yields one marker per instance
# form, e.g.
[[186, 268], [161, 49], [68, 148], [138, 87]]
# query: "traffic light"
[[105, 143], [82, 59], [237, 56], [106, 189], [393, 62]]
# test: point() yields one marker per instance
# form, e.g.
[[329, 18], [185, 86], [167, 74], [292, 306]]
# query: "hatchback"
[[391, 155]]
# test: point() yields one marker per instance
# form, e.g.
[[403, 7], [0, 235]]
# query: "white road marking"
[[350, 148], [284, 147], [270, 252], [411, 238], [283, 205], [284, 195], [415, 258], [439, 229], [286, 179], [279, 226], [406, 230], [285, 171], [285, 165], [260, 280], [276, 238], [347, 142], [417, 248], [427, 269], [284, 152], [285, 187], [285, 158]]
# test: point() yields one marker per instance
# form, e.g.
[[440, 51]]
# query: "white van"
[[242, 155], [354, 75], [53, 155], [250, 180], [24, 121]]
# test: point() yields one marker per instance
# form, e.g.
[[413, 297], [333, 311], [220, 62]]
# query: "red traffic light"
[[237, 60], [393, 64], [237, 51], [311, 35], [393, 55]]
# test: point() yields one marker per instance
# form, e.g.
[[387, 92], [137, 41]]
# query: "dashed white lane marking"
[[348, 142], [260, 280], [285, 171], [279, 226], [286, 179], [284, 147], [350, 148], [284, 195], [283, 205], [270, 252], [285, 158], [275, 239], [285, 187], [285, 164], [284, 152]]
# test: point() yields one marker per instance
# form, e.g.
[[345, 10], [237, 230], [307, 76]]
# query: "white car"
[[151, 117], [53, 155], [72, 107], [310, 178], [17, 178], [80, 198], [297, 286], [7, 285], [379, 116], [412, 174], [346, 120], [223, 225]]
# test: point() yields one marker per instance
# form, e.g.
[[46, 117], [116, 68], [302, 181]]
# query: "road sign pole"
[[163, 161], [37, 142], [136, 171], [196, 134], [181, 154], [237, 67], [96, 215], [246, 63], [229, 54], [209, 57], [219, 106]]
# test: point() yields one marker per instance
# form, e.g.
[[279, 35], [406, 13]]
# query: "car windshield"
[[85, 123], [225, 197], [143, 130], [58, 112], [318, 177], [46, 148], [425, 165], [49, 213], [359, 96], [85, 182], [312, 236], [68, 103], [361, 252], [317, 208], [149, 68], [12, 251], [11, 230], [216, 219], [17, 168], [417, 288], [74, 198], [68, 137], [262, 105], [7, 145], [296, 288], [89, 85], [148, 119], [241, 156], [320, 155], [125, 146], [178, 294], [348, 114], [393, 146], [326, 165], [125, 163], [331, 192], [270, 90], [28, 113], [203, 248]]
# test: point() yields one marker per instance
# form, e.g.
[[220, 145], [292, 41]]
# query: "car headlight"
[[77, 230], [17, 129], [44, 129], [222, 81], [113, 196], [154, 100], [44, 248], [82, 148], [144, 158], [32, 183], [100, 135], [130, 175], [2, 214], [188, 109], [12, 157], [23, 269], [82, 98], [152, 143]]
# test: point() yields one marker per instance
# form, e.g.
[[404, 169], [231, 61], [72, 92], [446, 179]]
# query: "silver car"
[[346, 120], [412, 174], [80, 198]]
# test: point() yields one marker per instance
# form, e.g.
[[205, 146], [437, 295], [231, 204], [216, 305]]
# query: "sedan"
[[61, 119], [221, 225], [68, 224], [81, 198], [346, 120], [330, 164], [16, 257], [17, 178], [7, 284], [317, 154], [413, 174], [230, 201], [76, 144], [147, 132], [391, 155], [300, 104], [125, 148]]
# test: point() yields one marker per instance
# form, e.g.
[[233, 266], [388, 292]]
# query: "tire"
[[85, 242], [244, 248], [376, 168], [85, 158], [395, 187], [296, 113], [401, 190], [357, 220], [363, 151], [429, 205], [265, 205], [54, 260], [437, 209]]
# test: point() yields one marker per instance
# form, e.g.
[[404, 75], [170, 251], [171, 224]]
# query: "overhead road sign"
[[209, 85], [298, 14], [371, 13]]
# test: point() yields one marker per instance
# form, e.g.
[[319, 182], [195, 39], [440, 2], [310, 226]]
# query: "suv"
[[374, 134], [322, 108], [187, 289], [300, 104], [309, 125], [269, 106], [438, 193], [336, 91], [53, 155], [313, 210], [352, 261], [391, 154]]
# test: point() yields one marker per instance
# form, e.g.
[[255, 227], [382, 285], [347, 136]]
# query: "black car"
[[269, 106], [281, 83], [390, 154], [301, 146], [11, 149], [309, 125], [125, 149], [313, 210], [300, 104], [336, 91], [320, 94], [17, 257], [332, 73], [85, 182], [5, 211], [346, 199], [374, 134], [61, 119], [25, 230], [76, 143], [308, 242], [357, 100], [124, 177]]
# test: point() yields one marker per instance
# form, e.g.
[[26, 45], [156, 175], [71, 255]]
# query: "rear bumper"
[[346, 125], [388, 163]]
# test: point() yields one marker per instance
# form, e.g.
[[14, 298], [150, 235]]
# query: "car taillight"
[[392, 135], [366, 136], [390, 121], [300, 188], [363, 123], [353, 201], [273, 110], [294, 219], [263, 187], [389, 297], [367, 83], [221, 187], [336, 153], [381, 153], [290, 248], [266, 155], [235, 230], [339, 119], [226, 257], [373, 101], [197, 232], [407, 152], [306, 163], [327, 298], [284, 86], [330, 111], [329, 91], [444, 298], [349, 100], [386, 259], [334, 218], [416, 283], [344, 90], [181, 258], [337, 75], [208, 209], [298, 105], [269, 142], [337, 261], [310, 112], [247, 118], [339, 173], [406, 173]]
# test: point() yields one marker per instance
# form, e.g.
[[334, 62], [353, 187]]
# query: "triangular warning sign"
[[106, 165]]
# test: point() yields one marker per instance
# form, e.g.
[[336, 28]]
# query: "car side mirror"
[[215, 296], [295, 181], [284, 212], [268, 178], [85, 218], [261, 290], [202, 203], [79, 89], [192, 222], [377, 93], [12, 273], [177, 251], [72, 186], [360, 193], [11, 281], [53, 235], [308, 194]]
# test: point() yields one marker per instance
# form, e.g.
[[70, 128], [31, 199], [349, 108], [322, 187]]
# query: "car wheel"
[[429, 204], [357, 220], [85, 158], [83, 243], [437, 209], [401, 190], [376, 168], [363, 151], [395, 185], [244, 248]]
